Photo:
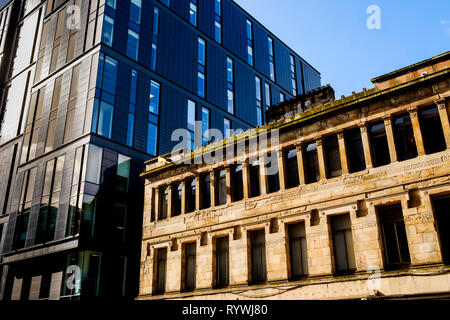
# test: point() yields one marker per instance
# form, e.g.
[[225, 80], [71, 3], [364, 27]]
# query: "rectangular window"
[[379, 144], [355, 150], [344, 256], [135, 11], [218, 20], [293, 75], [20, 234], [312, 173], [176, 199], [166, 3], [226, 128], [201, 84], [441, 206], [132, 107], [105, 119], [282, 97], [218, 32], [268, 94], [163, 203], [405, 143], [221, 187], [191, 123], [111, 3], [230, 101], [292, 177], [249, 42], [259, 113], [94, 164], [297, 251], [272, 171], [258, 256], [254, 179], [201, 52], [108, 31], [431, 127], [119, 222], [222, 261], [271, 59], [161, 270], [229, 70], [154, 97], [152, 137], [155, 38], [193, 12], [133, 44], [396, 251], [123, 173], [332, 156], [190, 268], [205, 190], [190, 195], [205, 126], [237, 192]]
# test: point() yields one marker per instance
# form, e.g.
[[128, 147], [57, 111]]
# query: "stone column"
[[417, 131], [343, 152], [443, 113], [321, 158], [212, 177], [157, 205], [183, 197], [246, 179], [197, 193], [390, 138], [300, 163], [264, 181], [366, 145], [281, 169]]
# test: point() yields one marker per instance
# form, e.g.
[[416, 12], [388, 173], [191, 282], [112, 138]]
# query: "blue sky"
[[333, 36]]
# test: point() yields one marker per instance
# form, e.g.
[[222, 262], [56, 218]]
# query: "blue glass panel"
[[105, 119], [110, 75], [201, 84], [152, 137], [130, 130], [154, 97], [133, 44], [135, 10], [154, 52], [108, 31]]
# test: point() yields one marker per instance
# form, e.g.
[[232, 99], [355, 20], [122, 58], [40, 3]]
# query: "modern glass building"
[[90, 89]]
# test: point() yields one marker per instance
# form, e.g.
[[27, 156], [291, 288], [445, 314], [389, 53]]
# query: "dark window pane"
[[190, 256], [379, 144], [396, 252], [237, 183], [254, 180], [258, 251], [297, 250], [432, 133], [161, 270], [272, 171], [344, 256], [442, 214], [222, 262], [292, 179], [312, 173], [332, 156], [205, 193], [190, 196], [164, 193], [405, 143], [176, 198], [355, 150], [221, 187]]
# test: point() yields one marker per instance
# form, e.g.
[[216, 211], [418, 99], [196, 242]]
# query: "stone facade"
[[410, 180]]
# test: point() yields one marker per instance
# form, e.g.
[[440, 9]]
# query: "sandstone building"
[[359, 205]]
